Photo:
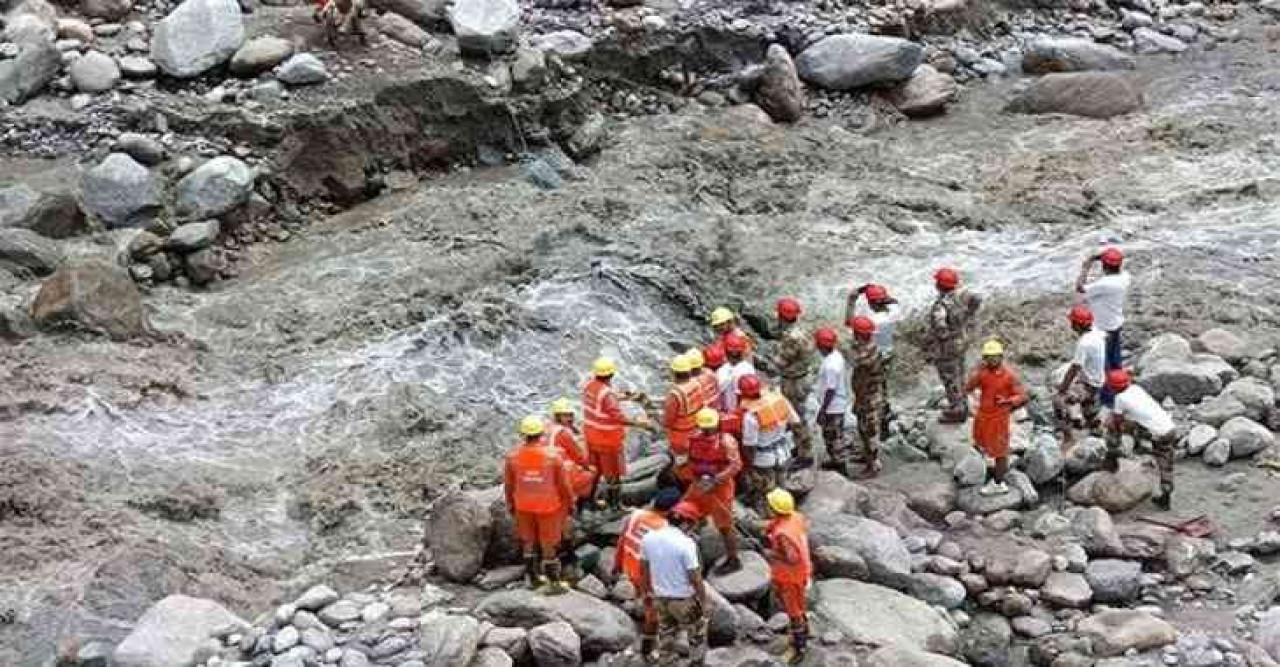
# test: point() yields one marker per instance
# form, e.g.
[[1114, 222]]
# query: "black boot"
[[532, 571], [1165, 500], [556, 585], [1112, 463], [799, 645]]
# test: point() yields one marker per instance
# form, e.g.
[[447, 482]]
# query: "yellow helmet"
[[603, 367], [707, 418], [680, 364], [992, 348], [695, 358], [561, 406], [720, 316], [780, 501], [531, 425]]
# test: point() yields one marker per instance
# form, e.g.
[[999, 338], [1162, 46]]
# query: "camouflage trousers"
[[756, 482], [869, 409], [796, 391], [676, 615], [886, 410], [839, 451], [950, 367], [1165, 450], [1080, 394]]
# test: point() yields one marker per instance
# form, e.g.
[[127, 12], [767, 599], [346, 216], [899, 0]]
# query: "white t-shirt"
[[671, 555], [1136, 405], [772, 448], [728, 375], [885, 323], [832, 375], [1105, 297], [1091, 356]]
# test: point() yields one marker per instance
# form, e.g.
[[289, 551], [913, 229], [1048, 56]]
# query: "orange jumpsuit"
[[714, 454], [581, 477], [1001, 393], [605, 430], [627, 560], [536, 482], [787, 535], [678, 410]]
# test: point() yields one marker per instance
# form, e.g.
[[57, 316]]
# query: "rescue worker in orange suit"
[[563, 434], [725, 322], [627, 561], [790, 569], [604, 428], [768, 422], [1001, 392], [683, 401], [540, 498], [713, 360], [714, 464]]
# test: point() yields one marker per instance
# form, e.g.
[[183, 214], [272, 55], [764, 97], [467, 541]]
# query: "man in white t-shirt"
[[832, 392], [672, 574], [1105, 297], [1084, 379], [739, 365], [1136, 412]]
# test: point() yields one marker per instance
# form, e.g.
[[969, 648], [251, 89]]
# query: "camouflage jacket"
[[949, 317], [867, 367], [794, 352]]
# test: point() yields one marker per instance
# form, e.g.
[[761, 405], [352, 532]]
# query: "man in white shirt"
[[1085, 377], [1136, 412], [832, 391], [739, 365], [885, 312], [672, 574], [1105, 297], [768, 421]]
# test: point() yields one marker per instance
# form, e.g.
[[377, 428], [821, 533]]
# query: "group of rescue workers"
[[730, 434]]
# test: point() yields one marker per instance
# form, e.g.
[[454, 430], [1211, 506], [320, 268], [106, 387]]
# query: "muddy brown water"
[[350, 374]]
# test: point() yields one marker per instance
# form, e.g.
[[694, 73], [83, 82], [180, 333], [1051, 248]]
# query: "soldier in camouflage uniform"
[[949, 319], [795, 363], [868, 391]]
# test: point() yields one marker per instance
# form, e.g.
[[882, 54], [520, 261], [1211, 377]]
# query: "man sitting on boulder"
[[1136, 412]]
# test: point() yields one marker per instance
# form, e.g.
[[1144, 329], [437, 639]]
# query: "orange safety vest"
[[687, 397], [771, 410], [601, 431], [709, 454], [639, 524], [710, 385], [537, 472], [566, 440], [790, 530]]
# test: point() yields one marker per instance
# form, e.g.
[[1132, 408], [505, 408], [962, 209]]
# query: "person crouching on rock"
[[714, 464], [540, 497], [672, 573], [627, 559], [1137, 412], [790, 569], [1001, 392]]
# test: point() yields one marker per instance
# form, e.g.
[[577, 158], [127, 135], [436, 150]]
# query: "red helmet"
[[687, 510], [862, 326], [825, 338], [946, 279], [735, 343], [1118, 380], [1081, 315], [788, 309], [1112, 257], [749, 386], [877, 293], [713, 356]]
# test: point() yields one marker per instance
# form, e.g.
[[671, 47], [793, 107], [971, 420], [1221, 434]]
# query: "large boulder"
[[449, 641], [459, 530], [1067, 589], [1043, 461], [937, 590], [926, 93], [832, 493], [567, 44], [1188, 380], [1150, 41], [933, 501], [780, 93], [91, 295], [1113, 580], [1246, 436], [1218, 410], [215, 188], [888, 560], [172, 632], [421, 12], [748, 584], [1089, 94], [1094, 530], [603, 627], [1165, 346], [94, 72], [23, 251], [120, 192], [1120, 491], [53, 213], [24, 76], [1268, 633], [405, 31], [1117, 631], [555, 645], [260, 54], [1257, 396], [196, 37], [900, 656], [1225, 344], [193, 236], [879, 616], [846, 62], [485, 27], [303, 69], [972, 501], [985, 642], [1070, 54]]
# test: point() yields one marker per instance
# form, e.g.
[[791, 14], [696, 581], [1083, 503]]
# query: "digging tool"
[[1198, 526]]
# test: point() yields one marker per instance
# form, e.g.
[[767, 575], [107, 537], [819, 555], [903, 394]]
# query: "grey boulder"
[[1070, 54], [748, 584], [780, 92], [94, 72], [1114, 580], [1117, 631], [260, 54], [926, 93], [215, 188], [193, 236], [1149, 41], [1089, 94], [303, 69], [602, 627], [870, 614], [171, 632], [196, 37], [900, 656], [846, 62], [121, 192], [1225, 344], [53, 213], [449, 641], [1246, 437], [23, 251], [22, 77], [485, 27], [555, 645], [887, 559]]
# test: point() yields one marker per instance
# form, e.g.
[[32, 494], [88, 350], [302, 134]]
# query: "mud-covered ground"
[[311, 407]]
